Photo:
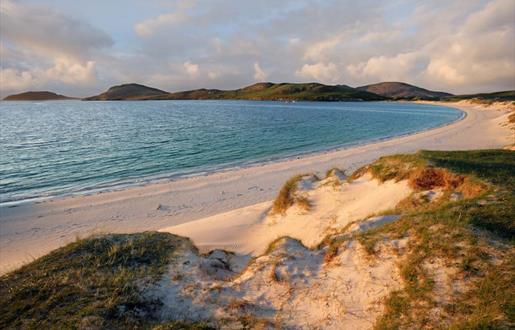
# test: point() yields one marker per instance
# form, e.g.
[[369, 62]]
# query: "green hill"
[[126, 92], [496, 96], [278, 92], [259, 91], [400, 90]]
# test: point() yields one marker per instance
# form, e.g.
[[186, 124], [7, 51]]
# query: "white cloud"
[[190, 68], [458, 46], [399, 67], [318, 51], [259, 74], [323, 72], [64, 70], [213, 75], [150, 26], [14, 80], [481, 52], [47, 33], [68, 71], [42, 48]]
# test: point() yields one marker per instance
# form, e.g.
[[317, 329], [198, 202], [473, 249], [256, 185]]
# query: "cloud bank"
[[459, 46]]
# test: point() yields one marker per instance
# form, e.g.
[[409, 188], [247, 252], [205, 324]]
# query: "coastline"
[[31, 230], [161, 178]]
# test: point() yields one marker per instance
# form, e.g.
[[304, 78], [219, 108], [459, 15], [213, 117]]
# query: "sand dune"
[[334, 205]]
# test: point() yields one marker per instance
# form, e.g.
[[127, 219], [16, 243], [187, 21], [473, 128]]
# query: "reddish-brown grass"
[[331, 253], [430, 177], [471, 188]]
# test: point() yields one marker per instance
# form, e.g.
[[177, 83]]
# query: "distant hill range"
[[277, 92], [259, 91], [496, 96], [37, 96], [126, 92], [399, 90]]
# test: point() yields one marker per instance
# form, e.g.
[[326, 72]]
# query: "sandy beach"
[[215, 209]]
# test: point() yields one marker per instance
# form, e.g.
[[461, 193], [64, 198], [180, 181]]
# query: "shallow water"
[[63, 147]]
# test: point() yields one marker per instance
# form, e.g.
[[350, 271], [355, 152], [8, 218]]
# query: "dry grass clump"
[[422, 175], [429, 178], [274, 276], [303, 203], [511, 118], [287, 197], [396, 167], [471, 188], [334, 171], [331, 253]]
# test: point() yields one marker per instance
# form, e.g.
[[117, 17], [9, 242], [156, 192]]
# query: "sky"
[[80, 48]]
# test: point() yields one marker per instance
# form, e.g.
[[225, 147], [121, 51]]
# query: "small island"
[[37, 96]]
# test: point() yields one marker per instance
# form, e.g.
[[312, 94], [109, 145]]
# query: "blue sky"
[[80, 48]]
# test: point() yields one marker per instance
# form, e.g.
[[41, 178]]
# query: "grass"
[[280, 92], [485, 97], [287, 197], [277, 242], [475, 234], [334, 171], [91, 283]]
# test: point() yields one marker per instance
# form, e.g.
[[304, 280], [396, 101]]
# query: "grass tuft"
[[92, 283], [287, 197]]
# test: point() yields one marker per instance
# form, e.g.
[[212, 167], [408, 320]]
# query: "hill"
[[260, 91], [277, 92], [400, 90], [126, 92], [37, 96], [496, 96]]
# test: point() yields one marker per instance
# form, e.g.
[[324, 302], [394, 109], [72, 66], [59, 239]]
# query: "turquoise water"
[[55, 148]]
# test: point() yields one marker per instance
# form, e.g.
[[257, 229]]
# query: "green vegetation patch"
[[485, 97], [473, 235], [92, 283], [277, 92]]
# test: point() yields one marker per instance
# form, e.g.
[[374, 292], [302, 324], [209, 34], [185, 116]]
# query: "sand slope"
[[335, 204], [289, 287]]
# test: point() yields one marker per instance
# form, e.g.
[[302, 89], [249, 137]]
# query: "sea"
[[58, 148]]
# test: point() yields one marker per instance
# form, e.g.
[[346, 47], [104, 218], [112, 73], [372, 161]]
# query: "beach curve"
[[32, 230]]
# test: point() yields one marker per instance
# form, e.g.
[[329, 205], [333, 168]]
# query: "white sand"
[[289, 287], [249, 230], [32, 230]]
